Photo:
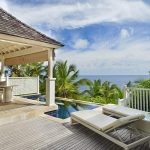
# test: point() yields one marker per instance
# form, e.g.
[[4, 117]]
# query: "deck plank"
[[42, 134]]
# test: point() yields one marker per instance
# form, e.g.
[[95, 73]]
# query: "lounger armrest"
[[125, 121], [130, 119]]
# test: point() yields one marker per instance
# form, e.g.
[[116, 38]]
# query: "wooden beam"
[[12, 48], [13, 43], [26, 51], [4, 45], [30, 58], [19, 40]]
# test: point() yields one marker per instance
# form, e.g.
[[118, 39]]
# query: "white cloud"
[[4, 4], [79, 13], [128, 58], [80, 44], [124, 33]]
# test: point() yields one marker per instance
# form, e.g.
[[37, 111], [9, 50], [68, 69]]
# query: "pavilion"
[[21, 44]]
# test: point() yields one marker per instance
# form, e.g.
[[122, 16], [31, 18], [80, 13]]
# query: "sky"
[[101, 37]]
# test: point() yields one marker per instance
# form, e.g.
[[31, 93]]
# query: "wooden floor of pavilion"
[[20, 109], [43, 134]]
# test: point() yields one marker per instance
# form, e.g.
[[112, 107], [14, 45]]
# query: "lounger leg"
[[73, 122]]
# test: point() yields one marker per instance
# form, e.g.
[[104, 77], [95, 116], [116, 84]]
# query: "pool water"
[[65, 108]]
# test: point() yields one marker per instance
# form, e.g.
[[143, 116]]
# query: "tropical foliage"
[[67, 83], [25, 70], [145, 83], [104, 91], [142, 83], [94, 88]]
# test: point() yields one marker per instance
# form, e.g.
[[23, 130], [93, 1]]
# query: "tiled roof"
[[12, 26]]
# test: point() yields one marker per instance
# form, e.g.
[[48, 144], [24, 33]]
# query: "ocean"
[[119, 80]]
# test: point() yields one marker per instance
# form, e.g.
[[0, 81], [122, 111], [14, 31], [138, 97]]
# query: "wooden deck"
[[42, 134]]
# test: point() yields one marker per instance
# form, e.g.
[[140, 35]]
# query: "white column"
[[50, 81], [2, 76], [38, 85]]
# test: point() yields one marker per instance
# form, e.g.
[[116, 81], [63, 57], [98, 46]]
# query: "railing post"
[[122, 102], [38, 87], [7, 80], [126, 95]]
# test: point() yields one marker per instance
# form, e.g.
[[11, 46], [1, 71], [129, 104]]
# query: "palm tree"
[[93, 88], [109, 92], [66, 76], [26, 70], [14, 71], [129, 84]]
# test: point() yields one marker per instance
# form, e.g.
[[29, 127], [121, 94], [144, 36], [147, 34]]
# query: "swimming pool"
[[65, 108]]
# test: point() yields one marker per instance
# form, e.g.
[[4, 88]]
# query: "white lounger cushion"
[[103, 122], [121, 110], [95, 119]]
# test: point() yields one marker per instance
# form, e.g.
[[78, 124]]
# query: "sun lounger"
[[106, 126], [120, 111]]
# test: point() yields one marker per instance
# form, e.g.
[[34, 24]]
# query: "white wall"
[[24, 85]]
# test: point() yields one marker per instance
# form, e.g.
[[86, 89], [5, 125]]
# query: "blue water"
[[120, 80], [66, 108]]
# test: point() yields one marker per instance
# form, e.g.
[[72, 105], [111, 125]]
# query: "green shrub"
[[143, 83], [97, 99]]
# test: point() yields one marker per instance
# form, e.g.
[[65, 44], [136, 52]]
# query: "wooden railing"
[[138, 98]]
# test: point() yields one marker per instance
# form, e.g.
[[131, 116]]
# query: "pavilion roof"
[[10, 25]]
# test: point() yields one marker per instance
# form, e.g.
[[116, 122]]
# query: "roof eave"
[[30, 42]]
